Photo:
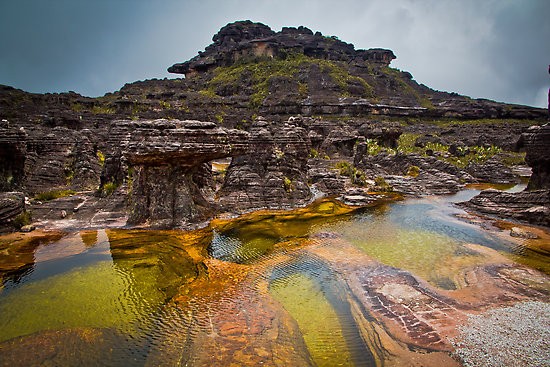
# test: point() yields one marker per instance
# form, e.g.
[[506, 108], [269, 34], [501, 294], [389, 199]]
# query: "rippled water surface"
[[266, 287]]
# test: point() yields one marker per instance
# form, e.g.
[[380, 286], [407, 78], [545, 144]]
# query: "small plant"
[[278, 153], [77, 107], [287, 183], [313, 153], [345, 168], [108, 188], [219, 118], [102, 110], [373, 148], [357, 176], [405, 143], [100, 158], [165, 105], [413, 171]]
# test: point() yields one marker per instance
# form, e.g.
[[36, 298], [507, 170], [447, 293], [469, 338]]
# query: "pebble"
[[512, 336]]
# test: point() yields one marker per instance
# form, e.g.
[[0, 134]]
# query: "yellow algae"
[[317, 320]]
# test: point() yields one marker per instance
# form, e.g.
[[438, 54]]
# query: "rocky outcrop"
[[12, 204], [536, 142], [431, 176], [167, 163], [246, 40], [273, 172], [530, 206], [39, 159], [533, 204]]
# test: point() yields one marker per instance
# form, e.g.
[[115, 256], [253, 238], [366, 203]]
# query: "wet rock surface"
[[529, 206]]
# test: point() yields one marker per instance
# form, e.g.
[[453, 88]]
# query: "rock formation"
[[167, 163], [536, 142], [533, 204], [245, 40], [273, 172], [12, 205], [528, 206], [324, 103]]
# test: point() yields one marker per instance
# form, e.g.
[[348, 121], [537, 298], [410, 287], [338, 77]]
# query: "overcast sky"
[[496, 49]]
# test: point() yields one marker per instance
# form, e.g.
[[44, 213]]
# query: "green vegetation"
[[261, 71], [219, 117], [108, 188], [77, 107], [23, 219], [102, 110], [313, 153], [287, 182], [356, 175], [413, 171], [382, 185], [464, 156], [165, 105], [54, 194], [373, 148]]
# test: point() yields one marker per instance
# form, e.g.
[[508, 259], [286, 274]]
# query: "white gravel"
[[511, 336]]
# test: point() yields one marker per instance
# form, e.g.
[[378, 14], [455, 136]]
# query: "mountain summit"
[[245, 40]]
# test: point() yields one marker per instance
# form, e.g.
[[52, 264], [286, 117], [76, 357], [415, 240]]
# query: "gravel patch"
[[512, 336]]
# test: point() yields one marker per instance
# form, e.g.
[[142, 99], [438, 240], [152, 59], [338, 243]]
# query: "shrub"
[[108, 188], [100, 158]]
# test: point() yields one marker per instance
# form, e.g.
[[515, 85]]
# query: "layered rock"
[[533, 204], [245, 39], [12, 204], [536, 142], [166, 160], [530, 206], [273, 172]]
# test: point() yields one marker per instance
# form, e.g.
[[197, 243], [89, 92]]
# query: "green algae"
[[318, 322], [120, 279], [101, 295], [435, 257]]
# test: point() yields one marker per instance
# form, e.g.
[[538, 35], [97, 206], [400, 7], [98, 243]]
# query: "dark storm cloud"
[[495, 49]]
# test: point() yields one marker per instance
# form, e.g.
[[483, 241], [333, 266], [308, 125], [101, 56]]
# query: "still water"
[[270, 288]]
